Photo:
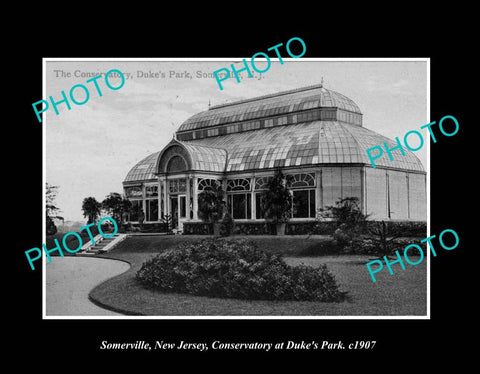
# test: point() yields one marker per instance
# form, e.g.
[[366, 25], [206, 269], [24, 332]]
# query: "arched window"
[[207, 184], [242, 184], [303, 194], [303, 180], [176, 163], [261, 183], [239, 198]]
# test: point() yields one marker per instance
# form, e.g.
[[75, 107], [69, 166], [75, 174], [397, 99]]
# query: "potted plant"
[[277, 201], [211, 206]]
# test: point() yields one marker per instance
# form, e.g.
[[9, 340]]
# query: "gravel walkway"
[[69, 281]]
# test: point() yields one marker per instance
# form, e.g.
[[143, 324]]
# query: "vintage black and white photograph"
[[298, 191]]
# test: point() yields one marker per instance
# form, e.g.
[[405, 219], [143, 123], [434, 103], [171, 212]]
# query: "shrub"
[[235, 269], [226, 225], [366, 245], [197, 228], [311, 227], [254, 228], [404, 228]]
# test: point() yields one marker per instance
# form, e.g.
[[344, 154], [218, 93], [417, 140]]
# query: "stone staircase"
[[102, 244]]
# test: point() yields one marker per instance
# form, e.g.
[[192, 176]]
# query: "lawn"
[[401, 294]]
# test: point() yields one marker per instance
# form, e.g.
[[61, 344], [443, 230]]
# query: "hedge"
[[408, 228]]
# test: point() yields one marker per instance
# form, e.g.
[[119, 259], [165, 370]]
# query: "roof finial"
[[321, 82], [209, 104]]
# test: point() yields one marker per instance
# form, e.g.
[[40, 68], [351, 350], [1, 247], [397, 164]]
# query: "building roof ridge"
[[268, 96]]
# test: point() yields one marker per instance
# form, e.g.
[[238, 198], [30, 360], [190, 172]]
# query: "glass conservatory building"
[[313, 134]]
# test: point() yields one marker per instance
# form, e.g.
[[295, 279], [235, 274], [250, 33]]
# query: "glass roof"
[[318, 142], [203, 158], [270, 105], [206, 158], [305, 144], [144, 170]]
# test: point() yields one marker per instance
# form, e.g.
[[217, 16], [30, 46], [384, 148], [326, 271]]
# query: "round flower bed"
[[236, 269]]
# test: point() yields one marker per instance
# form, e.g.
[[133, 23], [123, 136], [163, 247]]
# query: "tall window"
[[136, 206], [239, 198], [152, 210], [183, 206], [151, 200], [259, 213], [261, 184], [303, 195], [303, 204], [239, 205]]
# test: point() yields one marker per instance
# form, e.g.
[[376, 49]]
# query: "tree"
[[383, 236], [349, 217], [211, 204], [50, 226], [116, 206], [355, 233], [347, 212], [276, 201], [51, 209], [91, 209]]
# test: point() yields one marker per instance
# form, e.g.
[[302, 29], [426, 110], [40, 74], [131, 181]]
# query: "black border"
[[411, 338]]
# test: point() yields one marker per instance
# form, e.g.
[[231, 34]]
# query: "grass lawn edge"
[[103, 305], [101, 296]]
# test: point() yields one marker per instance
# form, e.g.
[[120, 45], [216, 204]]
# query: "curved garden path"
[[69, 281]]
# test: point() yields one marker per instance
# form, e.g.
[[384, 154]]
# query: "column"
[[318, 190], [363, 189], [144, 203], [408, 195], [187, 202], [253, 200], [387, 186], [195, 198], [225, 197], [160, 197], [165, 194]]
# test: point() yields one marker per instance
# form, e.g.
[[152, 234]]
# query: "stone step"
[[103, 245]]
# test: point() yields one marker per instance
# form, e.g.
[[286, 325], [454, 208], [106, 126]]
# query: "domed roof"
[[285, 102], [262, 138], [195, 157], [143, 170], [307, 144]]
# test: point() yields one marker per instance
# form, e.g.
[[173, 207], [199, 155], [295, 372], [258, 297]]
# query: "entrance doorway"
[[178, 210]]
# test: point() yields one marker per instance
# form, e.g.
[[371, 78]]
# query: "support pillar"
[[165, 194], [318, 190], [144, 202], [160, 198], [195, 198], [188, 199]]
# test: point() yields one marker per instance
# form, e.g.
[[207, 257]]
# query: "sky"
[[89, 149]]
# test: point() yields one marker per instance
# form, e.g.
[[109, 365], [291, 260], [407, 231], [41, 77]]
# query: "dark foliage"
[[236, 269], [227, 225], [211, 204], [277, 199]]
